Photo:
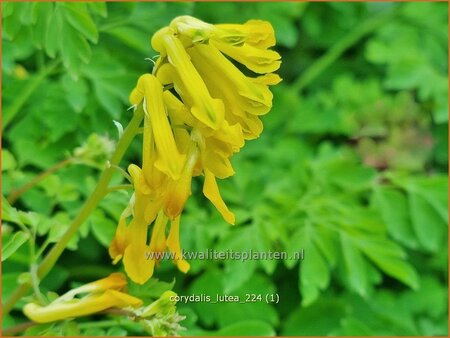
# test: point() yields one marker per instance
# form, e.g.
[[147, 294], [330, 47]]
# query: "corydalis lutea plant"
[[193, 129], [190, 131]]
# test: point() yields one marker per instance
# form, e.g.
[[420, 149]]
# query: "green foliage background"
[[351, 166]]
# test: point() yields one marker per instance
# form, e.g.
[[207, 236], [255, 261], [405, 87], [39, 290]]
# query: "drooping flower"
[[97, 296], [200, 108]]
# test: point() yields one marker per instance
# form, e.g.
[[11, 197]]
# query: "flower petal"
[[211, 191], [173, 243], [169, 160], [136, 264], [158, 241], [258, 60], [120, 241], [180, 190]]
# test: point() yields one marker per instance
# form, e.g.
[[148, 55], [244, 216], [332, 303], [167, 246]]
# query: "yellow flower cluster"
[[193, 128]]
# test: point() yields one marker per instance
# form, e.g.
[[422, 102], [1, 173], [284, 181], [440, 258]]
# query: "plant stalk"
[[16, 193]]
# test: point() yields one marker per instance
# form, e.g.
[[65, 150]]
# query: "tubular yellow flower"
[[153, 178], [257, 33], [169, 161], [176, 109], [115, 281], [78, 308], [258, 60], [101, 295], [206, 109], [136, 265]]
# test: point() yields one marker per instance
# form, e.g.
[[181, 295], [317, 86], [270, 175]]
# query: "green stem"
[[16, 193], [10, 112], [340, 47], [50, 259]]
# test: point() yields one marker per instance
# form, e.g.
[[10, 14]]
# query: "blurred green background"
[[351, 167]]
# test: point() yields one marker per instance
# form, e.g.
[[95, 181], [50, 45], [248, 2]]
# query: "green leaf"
[[98, 8], [238, 271], [111, 82], [76, 92], [355, 265], [78, 16], [102, 227], [8, 161], [53, 31], [9, 213], [427, 223], [396, 268], [42, 13], [75, 50], [314, 274], [14, 243], [394, 209], [434, 189]]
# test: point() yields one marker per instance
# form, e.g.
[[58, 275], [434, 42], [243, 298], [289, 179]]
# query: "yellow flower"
[[206, 109], [169, 160], [131, 240], [258, 60], [257, 33], [100, 295]]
